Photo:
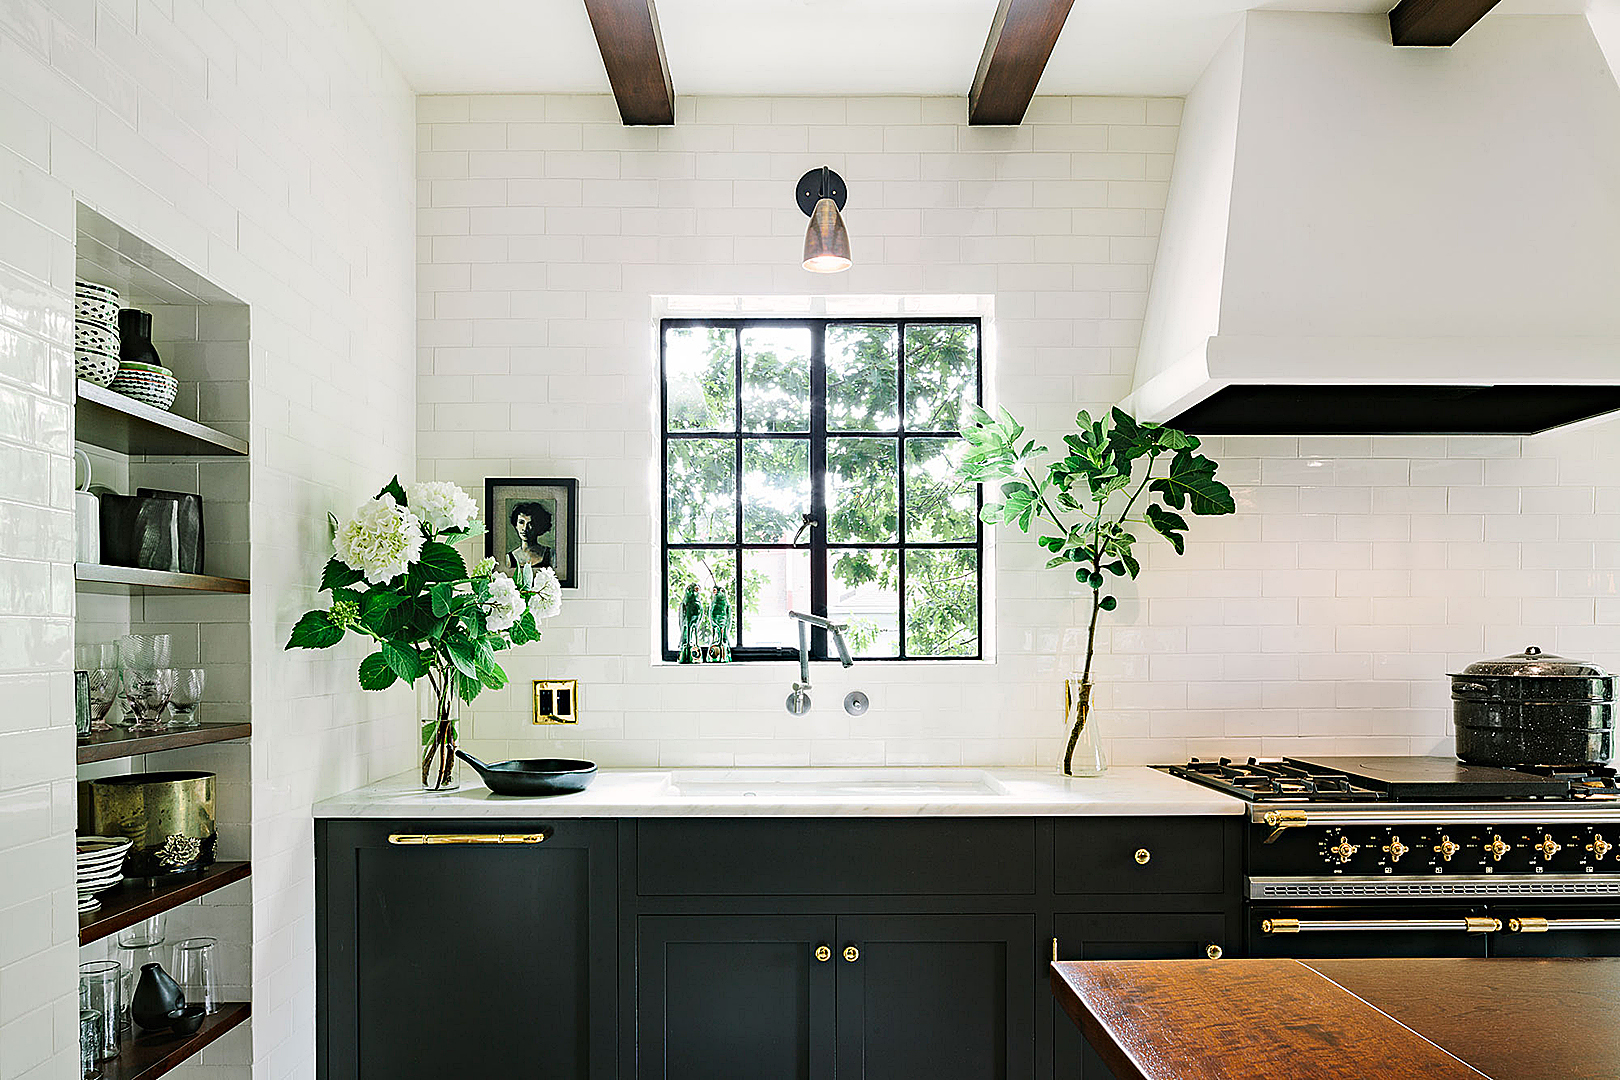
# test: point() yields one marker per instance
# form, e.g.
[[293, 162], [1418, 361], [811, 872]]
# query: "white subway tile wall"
[[268, 146], [1323, 616]]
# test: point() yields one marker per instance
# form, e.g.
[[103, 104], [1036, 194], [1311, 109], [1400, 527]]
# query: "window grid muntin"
[[818, 436]]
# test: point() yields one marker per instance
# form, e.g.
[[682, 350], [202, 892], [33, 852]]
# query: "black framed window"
[[810, 464]]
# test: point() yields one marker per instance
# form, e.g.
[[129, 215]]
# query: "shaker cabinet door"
[[734, 997], [947, 997], [470, 959]]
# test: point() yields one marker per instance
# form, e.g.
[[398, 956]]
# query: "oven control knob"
[[1344, 849], [1447, 848], [1599, 846], [1395, 849], [1497, 848], [1548, 847]]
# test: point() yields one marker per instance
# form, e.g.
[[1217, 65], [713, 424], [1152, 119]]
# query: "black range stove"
[[1418, 856]]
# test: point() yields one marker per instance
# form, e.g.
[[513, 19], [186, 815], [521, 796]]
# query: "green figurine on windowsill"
[[719, 628], [691, 626]]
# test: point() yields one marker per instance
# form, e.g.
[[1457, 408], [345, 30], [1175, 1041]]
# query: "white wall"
[[269, 147], [1322, 617]]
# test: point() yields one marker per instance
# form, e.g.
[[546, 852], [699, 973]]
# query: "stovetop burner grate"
[[1273, 781]]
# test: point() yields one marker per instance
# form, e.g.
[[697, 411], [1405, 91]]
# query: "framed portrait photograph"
[[532, 521]]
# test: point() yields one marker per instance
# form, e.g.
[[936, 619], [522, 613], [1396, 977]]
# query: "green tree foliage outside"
[[864, 463]]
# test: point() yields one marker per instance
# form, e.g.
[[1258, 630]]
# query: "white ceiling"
[[820, 46]]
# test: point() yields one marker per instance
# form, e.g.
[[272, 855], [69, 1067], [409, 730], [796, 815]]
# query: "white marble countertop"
[[805, 792]]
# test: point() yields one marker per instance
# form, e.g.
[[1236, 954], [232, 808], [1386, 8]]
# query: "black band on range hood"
[[1394, 410]]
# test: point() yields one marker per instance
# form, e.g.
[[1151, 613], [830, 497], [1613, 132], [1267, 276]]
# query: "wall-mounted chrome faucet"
[[798, 702]]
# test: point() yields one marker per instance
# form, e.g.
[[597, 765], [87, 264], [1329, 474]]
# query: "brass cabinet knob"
[[1142, 856], [1213, 952], [851, 953], [823, 953]]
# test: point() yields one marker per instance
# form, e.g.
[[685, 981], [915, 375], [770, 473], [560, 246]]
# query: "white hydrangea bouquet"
[[430, 616]]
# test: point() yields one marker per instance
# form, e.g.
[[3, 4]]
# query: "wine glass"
[[103, 694], [146, 695], [188, 692]]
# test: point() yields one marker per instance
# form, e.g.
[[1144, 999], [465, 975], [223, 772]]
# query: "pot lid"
[[1533, 662]]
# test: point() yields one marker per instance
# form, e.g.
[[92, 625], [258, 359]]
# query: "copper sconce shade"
[[821, 194]]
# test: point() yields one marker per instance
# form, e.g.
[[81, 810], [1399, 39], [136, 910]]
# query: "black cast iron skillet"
[[533, 776]]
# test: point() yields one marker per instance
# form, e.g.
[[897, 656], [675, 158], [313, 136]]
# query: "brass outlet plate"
[[556, 701]]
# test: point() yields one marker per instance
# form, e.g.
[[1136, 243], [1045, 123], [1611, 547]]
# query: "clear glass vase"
[[1083, 752], [440, 768]]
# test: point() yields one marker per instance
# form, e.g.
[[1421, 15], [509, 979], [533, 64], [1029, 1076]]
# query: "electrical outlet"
[[556, 701]]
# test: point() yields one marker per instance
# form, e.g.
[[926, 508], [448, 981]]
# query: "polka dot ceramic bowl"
[[96, 367], [95, 336]]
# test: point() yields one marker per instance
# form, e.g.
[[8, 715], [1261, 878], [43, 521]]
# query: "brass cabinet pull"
[[1213, 951], [1142, 856], [418, 839], [851, 953], [1054, 948], [1469, 925], [823, 953], [1533, 925]]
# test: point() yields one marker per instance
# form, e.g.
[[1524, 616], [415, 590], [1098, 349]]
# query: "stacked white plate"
[[95, 331], [100, 867]]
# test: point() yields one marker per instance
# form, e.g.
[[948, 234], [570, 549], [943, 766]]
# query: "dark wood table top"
[[1502, 1019]]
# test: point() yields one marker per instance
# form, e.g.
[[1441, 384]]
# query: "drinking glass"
[[188, 692], [145, 652], [101, 990], [144, 934], [89, 1044], [100, 655], [103, 694], [146, 695], [194, 970]]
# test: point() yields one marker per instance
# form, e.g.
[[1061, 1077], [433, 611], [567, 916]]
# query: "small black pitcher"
[[157, 999]]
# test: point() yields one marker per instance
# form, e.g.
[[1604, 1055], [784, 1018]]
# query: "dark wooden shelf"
[[141, 898], [118, 743], [148, 1056], [108, 419], [102, 574]]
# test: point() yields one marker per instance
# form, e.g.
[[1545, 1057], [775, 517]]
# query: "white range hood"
[[1369, 239]]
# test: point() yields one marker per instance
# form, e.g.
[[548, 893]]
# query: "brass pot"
[[168, 815]]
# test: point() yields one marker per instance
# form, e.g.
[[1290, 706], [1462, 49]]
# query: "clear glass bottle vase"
[[440, 769], [1083, 753]]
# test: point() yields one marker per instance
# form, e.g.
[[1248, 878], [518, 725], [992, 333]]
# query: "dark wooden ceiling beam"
[[633, 53], [1021, 39], [1434, 22]]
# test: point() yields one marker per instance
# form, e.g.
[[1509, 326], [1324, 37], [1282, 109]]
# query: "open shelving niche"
[[201, 445]]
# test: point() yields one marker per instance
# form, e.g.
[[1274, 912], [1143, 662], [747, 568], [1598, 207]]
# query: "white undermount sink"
[[834, 783]]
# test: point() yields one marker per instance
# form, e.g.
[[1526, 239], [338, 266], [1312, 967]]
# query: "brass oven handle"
[[1529, 924], [1470, 925], [419, 839]]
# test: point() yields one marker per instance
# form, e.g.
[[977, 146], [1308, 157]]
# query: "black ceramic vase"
[[157, 1000], [135, 338]]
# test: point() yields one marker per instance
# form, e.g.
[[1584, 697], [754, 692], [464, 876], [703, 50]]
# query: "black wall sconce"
[[822, 194]]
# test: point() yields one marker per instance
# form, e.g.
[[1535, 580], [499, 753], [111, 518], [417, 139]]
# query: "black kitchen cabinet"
[[446, 958], [735, 997], [691, 948], [876, 997], [1193, 936], [948, 997]]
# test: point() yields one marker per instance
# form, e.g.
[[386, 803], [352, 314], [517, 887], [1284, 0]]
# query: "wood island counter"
[[1502, 1019]]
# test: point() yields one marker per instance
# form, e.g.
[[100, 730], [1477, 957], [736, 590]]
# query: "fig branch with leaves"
[[1087, 502]]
